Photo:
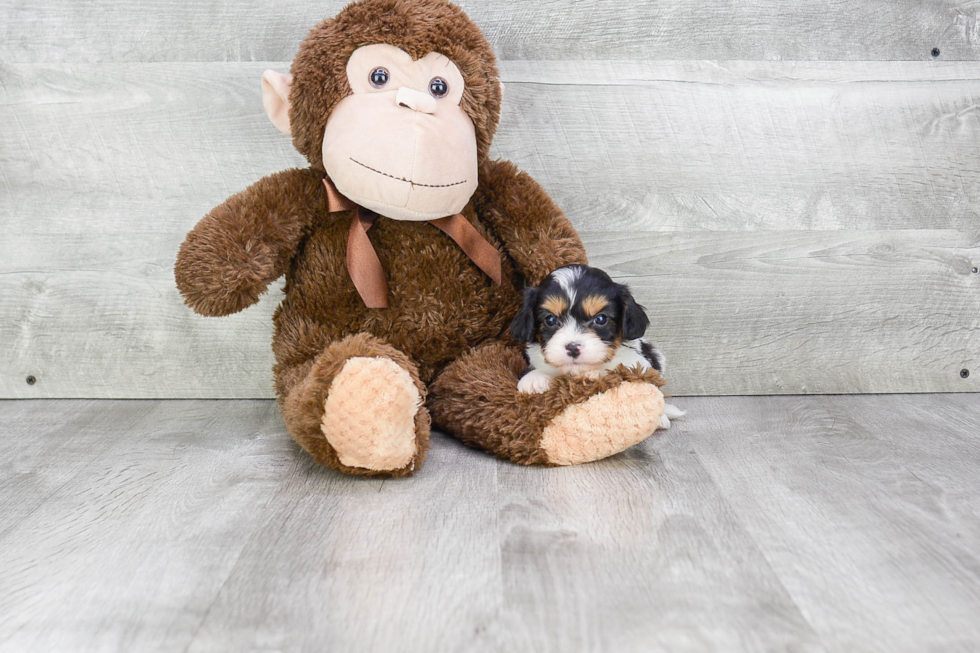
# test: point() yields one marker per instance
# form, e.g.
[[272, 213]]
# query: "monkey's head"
[[397, 100]]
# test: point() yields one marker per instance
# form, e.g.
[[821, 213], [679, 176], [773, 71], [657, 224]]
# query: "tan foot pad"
[[369, 414], [604, 424]]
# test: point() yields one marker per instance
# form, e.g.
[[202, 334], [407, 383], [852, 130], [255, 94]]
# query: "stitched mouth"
[[408, 181]]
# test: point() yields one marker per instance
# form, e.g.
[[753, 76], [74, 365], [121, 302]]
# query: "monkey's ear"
[[501, 92], [275, 98]]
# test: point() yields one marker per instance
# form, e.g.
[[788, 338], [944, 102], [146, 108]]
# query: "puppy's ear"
[[522, 328], [635, 320]]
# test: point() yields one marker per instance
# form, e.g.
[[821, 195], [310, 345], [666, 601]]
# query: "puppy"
[[582, 323]]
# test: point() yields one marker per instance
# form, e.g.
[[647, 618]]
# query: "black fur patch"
[[652, 355]]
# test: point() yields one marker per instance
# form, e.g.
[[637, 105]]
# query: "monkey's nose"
[[414, 100], [573, 349]]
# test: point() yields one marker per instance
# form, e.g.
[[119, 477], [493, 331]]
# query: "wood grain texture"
[[795, 227], [210, 30], [747, 145], [736, 313], [831, 524], [639, 552], [806, 312], [879, 492], [72, 433], [408, 564], [658, 146], [146, 527]]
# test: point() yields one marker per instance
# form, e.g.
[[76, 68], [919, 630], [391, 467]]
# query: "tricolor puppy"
[[581, 322]]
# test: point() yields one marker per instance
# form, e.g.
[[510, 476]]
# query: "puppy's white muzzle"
[[560, 351]]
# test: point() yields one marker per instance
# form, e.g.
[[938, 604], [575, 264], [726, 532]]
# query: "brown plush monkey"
[[404, 249]]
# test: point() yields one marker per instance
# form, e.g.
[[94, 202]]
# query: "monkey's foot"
[[603, 425], [575, 420], [369, 415], [357, 408]]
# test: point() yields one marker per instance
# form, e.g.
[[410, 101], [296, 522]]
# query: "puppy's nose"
[[573, 349]]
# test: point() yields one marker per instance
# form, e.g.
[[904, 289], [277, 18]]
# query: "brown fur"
[[556, 305], [503, 421], [593, 304], [440, 305], [243, 245], [415, 26]]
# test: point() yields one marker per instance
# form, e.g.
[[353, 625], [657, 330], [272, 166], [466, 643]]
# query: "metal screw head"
[[935, 52], [964, 373], [31, 380]]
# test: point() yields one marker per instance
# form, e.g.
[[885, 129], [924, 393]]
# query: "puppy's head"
[[579, 317]]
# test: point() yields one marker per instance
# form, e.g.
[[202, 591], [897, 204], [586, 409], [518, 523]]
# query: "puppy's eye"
[[438, 87], [551, 320], [379, 77], [600, 320]]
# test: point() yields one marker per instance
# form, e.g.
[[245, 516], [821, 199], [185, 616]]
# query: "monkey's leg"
[[577, 420], [358, 408]]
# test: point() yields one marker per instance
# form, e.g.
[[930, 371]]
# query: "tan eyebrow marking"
[[593, 304], [555, 304]]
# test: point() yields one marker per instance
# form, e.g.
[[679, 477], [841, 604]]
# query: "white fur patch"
[[630, 356], [670, 412], [536, 356], [567, 278], [535, 382], [673, 412], [592, 350]]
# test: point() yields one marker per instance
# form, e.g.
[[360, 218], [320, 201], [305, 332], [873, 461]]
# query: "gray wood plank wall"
[[793, 188]]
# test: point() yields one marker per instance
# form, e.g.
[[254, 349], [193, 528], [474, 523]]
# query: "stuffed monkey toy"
[[405, 250]]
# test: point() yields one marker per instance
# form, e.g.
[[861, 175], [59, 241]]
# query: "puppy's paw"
[[670, 411], [534, 382]]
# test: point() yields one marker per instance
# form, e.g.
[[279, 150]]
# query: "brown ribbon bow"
[[363, 263]]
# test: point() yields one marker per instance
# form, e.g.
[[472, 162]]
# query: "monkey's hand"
[[246, 243]]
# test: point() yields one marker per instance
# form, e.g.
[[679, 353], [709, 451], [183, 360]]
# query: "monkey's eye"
[[600, 320], [379, 77], [551, 320], [438, 87]]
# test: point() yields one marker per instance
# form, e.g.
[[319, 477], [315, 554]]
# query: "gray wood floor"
[[756, 524]]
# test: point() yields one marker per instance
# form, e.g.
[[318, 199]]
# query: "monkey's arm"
[[536, 233], [246, 243]]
